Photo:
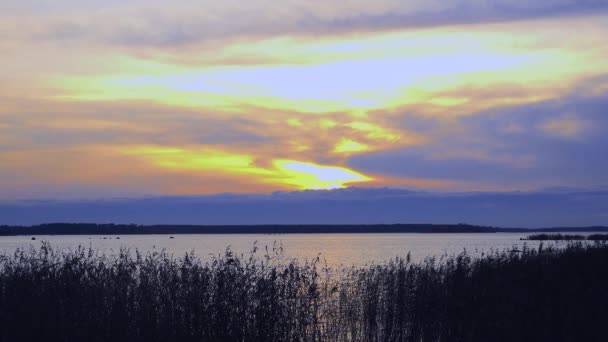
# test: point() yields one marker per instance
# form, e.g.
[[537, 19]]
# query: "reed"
[[543, 294]]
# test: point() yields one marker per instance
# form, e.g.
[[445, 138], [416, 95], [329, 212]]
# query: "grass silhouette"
[[544, 294]]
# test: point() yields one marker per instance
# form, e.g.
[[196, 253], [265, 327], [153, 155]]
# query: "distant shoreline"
[[124, 229]]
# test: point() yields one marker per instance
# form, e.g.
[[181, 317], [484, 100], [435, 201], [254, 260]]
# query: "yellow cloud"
[[327, 123], [290, 173], [314, 176], [294, 122], [196, 159], [349, 146], [373, 131]]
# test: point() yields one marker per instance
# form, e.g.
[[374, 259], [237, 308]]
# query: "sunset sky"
[[146, 97]]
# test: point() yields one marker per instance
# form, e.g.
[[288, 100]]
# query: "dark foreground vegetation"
[[543, 294], [567, 237], [126, 229]]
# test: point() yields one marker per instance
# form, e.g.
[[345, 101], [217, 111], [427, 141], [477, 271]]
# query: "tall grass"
[[543, 294]]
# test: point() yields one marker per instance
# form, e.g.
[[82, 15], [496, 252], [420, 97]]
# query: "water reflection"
[[335, 249]]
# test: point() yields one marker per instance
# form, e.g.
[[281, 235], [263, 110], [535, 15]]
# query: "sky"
[[132, 98]]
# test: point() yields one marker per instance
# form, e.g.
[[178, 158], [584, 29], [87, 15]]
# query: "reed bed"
[[543, 294]]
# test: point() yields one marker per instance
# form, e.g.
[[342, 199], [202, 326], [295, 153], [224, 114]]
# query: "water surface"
[[336, 249]]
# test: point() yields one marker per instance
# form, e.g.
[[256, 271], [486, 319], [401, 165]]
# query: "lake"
[[336, 249]]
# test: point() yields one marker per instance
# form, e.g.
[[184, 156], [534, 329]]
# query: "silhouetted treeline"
[[545, 294], [556, 237], [77, 228], [107, 229], [567, 237]]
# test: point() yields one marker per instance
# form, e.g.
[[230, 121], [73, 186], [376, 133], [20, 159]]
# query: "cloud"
[[417, 93], [344, 206], [138, 23], [540, 144], [564, 127]]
